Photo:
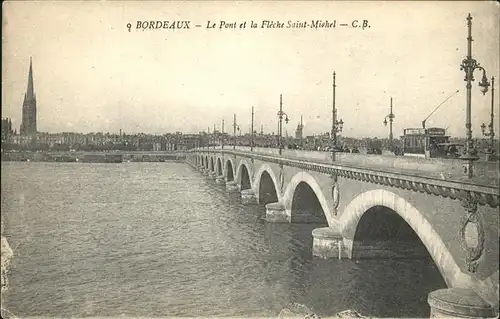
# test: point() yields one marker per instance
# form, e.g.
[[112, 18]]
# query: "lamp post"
[[391, 117], [491, 133], [222, 136], [336, 125], [301, 133], [235, 126], [251, 140], [469, 65], [215, 138], [280, 125]]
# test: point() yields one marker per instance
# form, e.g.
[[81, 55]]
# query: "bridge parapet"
[[475, 191], [448, 169]]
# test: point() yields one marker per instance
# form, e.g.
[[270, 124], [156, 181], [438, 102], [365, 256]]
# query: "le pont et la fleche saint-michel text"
[[263, 24]]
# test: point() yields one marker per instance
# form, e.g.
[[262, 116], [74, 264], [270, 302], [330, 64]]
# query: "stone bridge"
[[371, 196]]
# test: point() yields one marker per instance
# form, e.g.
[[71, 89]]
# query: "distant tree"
[[10, 146], [109, 146], [77, 146], [60, 147], [43, 147]]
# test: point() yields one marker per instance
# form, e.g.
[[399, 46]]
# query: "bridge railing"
[[486, 172]]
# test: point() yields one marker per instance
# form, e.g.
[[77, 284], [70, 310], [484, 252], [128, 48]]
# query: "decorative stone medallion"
[[335, 192], [282, 178], [336, 197], [472, 234], [465, 169]]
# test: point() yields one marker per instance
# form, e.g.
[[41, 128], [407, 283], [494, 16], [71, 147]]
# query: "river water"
[[159, 239]]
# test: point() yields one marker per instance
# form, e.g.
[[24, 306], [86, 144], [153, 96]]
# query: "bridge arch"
[[229, 171], [304, 177], [349, 220], [266, 175], [244, 177], [219, 166]]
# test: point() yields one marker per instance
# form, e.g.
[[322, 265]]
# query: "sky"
[[91, 73]]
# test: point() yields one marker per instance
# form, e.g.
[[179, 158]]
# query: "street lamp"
[[208, 138], [391, 117], [280, 124], [301, 133], [491, 133], [251, 141], [336, 125], [469, 65], [235, 126], [215, 138], [222, 137]]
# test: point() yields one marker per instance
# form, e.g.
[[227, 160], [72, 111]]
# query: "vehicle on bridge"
[[429, 143], [449, 150], [374, 147]]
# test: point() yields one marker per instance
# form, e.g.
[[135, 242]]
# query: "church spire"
[[28, 124], [30, 92]]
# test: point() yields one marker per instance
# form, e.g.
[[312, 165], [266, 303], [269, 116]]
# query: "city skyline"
[[108, 78]]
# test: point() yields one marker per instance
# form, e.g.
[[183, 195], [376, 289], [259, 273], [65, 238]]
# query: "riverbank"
[[69, 157]]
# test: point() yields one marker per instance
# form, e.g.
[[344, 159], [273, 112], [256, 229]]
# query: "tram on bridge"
[[429, 143]]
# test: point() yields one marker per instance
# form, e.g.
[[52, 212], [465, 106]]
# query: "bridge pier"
[[248, 197], [328, 242], [232, 187], [211, 175], [276, 213], [219, 180], [458, 303]]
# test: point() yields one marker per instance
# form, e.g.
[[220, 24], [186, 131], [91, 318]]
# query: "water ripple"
[[158, 239]]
